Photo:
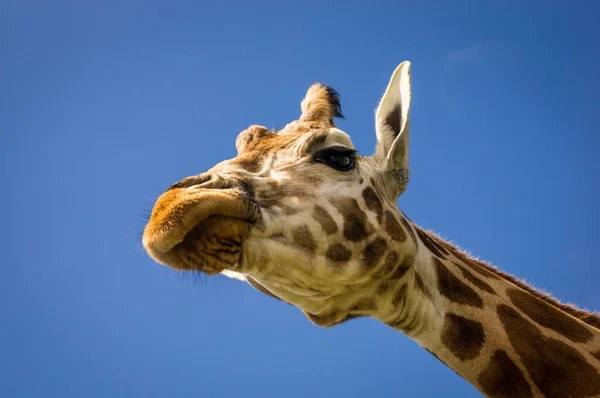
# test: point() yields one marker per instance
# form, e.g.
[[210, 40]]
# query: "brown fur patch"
[[393, 227], [502, 378], [557, 369], [403, 267], [303, 238], [373, 202], [549, 316], [435, 248], [475, 280], [421, 285], [489, 271], [338, 253], [454, 289], [596, 355], [327, 222], [406, 225], [373, 252], [475, 266], [356, 226], [463, 337]]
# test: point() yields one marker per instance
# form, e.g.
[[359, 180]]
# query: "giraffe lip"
[[199, 229], [214, 245]]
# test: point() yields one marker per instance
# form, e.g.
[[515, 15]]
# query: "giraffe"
[[301, 216]]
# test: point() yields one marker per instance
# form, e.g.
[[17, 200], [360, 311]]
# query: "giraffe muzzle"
[[200, 224]]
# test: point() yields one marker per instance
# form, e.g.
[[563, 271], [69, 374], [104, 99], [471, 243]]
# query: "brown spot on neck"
[[419, 284], [338, 253], [324, 219], [474, 280], [557, 369], [549, 317], [356, 226], [303, 238], [453, 288], [403, 267], [373, 202], [502, 378], [463, 337], [430, 243], [405, 223], [477, 267], [373, 252], [393, 227]]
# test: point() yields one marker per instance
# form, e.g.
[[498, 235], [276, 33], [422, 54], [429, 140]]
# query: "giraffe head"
[[298, 213]]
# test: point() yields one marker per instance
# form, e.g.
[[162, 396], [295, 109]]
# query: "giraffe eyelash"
[[337, 157]]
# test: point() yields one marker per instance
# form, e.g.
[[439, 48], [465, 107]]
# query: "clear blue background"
[[105, 104]]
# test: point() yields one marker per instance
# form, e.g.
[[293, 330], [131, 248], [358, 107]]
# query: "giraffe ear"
[[392, 128]]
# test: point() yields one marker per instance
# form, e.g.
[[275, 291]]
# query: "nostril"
[[193, 180]]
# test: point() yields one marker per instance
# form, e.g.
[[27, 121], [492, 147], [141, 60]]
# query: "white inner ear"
[[393, 114]]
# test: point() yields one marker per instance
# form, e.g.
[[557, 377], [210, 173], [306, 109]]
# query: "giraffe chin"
[[212, 246]]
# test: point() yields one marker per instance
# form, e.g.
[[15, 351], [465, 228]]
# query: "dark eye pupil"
[[340, 160]]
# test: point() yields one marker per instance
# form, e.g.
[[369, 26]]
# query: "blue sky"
[[104, 105]]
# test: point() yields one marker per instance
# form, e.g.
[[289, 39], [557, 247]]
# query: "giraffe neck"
[[500, 335]]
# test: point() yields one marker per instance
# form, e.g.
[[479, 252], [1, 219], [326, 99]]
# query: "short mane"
[[437, 244]]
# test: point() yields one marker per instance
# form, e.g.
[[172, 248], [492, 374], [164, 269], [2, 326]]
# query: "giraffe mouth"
[[203, 230]]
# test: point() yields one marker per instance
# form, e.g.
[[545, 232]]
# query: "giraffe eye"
[[339, 158]]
